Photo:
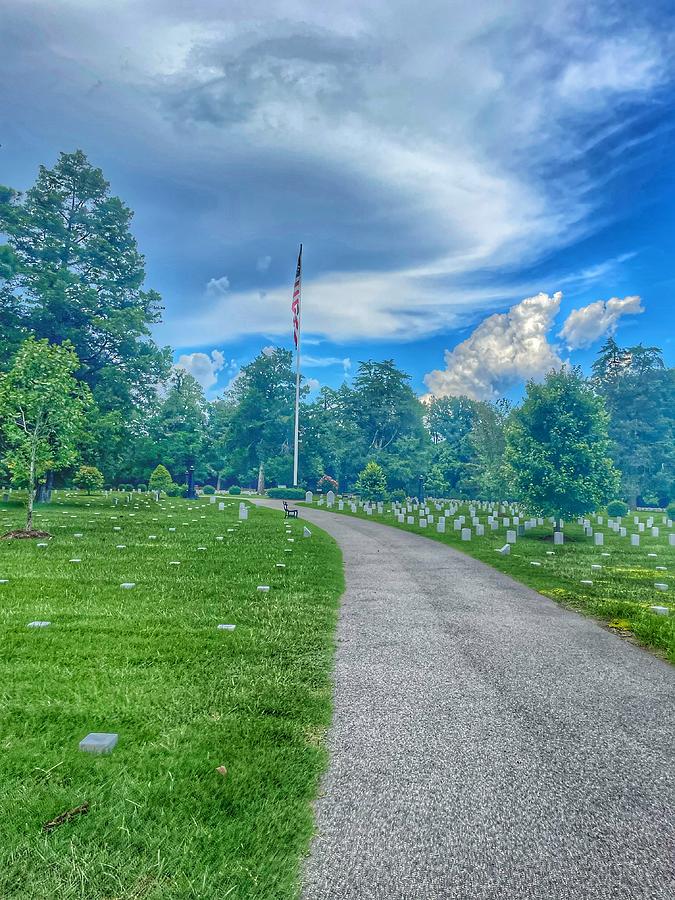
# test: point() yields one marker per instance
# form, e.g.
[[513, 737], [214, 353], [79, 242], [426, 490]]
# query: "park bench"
[[290, 513]]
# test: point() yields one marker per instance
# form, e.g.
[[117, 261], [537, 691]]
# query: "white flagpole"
[[297, 388]]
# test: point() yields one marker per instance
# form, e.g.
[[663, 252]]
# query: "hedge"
[[286, 493]]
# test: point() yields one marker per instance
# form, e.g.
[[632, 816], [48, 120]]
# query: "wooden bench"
[[290, 513]]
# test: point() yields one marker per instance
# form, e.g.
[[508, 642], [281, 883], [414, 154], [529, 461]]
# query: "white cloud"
[[218, 287], [202, 367], [613, 66], [504, 349], [313, 384], [263, 263], [585, 325], [268, 351], [320, 362]]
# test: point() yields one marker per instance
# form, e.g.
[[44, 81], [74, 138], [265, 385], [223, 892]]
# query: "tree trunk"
[[261, 479], [218, 482], [558, 523], [31, 492]]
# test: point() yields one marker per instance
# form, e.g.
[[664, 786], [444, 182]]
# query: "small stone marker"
[[281, 565], [227, 627], [263, 587], [128, 585], [41, 545], [174, 562], [533, 562], [586, 581], [596, 567], [120, 547], [505, 550], [305, 532], [660, 586], [75, 560], [79, 534], [660, 610], [599, 539], [98, 742], [38, 624]]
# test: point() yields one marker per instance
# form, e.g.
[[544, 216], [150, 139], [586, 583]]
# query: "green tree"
[[88, 478], [178, 432], [42, 409], [372, 482], [160, 479], [71, 270], [261, 408], [639, 393], [487, 439], [557, 448]]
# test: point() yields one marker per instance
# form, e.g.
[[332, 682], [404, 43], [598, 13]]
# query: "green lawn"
[[622, 591], [150, 664]]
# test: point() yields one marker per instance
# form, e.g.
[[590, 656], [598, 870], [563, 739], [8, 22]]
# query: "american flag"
[[295, 305]]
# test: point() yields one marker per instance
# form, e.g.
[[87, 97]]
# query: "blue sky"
[[482, 189]]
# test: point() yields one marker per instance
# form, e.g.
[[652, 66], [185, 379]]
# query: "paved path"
[[486, 742]]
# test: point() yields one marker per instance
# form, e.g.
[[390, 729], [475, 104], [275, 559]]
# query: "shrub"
[[234, 490], [142, 487], [670, 510], [88, 478], [398, 494], [372, 482], [617, 508], [287, 493], [176, 490], [208, 489], [161, 479]]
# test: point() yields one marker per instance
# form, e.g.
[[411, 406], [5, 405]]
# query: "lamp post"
[[190, 477], [421, 488]]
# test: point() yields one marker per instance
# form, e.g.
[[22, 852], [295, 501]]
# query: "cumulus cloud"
[[203, 367], [504, 349], [313, 384], [218, 287], [585, 325]]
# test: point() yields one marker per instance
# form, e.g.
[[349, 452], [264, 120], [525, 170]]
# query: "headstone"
[[221, 506], [212, 498], [505, 550], [671, 540], [466, 534], [558, 537], [98, 742], [510, 537], [660, 610], [264, 588], [655, 532], [38, 624], [306, 532], [635, 540], [423, 523], [243, 513], [227, 627], [410, 520], [480, 530], [660, 586], [599, 539], [330, 498], [440, 527], [128, 585]]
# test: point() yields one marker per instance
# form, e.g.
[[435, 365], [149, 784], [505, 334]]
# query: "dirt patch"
[[21, 533]]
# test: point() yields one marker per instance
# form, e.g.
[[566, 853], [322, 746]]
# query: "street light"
[[421, 488]]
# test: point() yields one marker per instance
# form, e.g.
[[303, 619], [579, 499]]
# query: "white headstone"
[[558, 537], [466, 534], [599, 539], [635, 540], [510, 537]]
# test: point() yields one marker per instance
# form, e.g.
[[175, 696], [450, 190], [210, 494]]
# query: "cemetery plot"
[[620, 571], [186, 714]]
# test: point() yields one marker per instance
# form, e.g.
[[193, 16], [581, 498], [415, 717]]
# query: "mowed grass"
[[622, 591], [150, 664]]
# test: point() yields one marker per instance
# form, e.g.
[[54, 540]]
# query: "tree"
[[372, 482], [89, 478], [557, 448], [639, 393], [71, 271], [179, 429], [488, 442], [260, 431], [161, 479], [42, 409]]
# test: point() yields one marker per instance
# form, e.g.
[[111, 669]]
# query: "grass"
[[622, 591], [150, 664]]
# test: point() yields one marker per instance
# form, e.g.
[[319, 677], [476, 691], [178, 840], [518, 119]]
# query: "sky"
[[483, 190]]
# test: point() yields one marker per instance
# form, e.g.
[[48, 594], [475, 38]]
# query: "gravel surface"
[[486, 742]]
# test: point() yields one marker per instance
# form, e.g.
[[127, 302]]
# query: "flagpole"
[[297, 383]]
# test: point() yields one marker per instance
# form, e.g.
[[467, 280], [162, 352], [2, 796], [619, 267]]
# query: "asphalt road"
[[486, 742]]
